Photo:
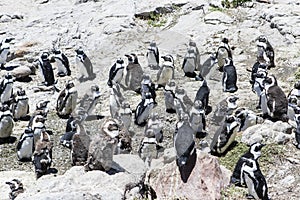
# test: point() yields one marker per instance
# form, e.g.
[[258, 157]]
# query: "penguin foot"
[[249, 196]]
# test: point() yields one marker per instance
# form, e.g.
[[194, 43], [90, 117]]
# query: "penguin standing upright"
[[277, 103], [184, 141], [255, 180], [258, 86], [67, 99], [38, 127], [297, 132], [143, 110], [223, 52], [295, 92], [153, 56], [156, 125], [253, 153], [84, 66], [134, 73], [6, 88], [90, 100], [148, 147], [125, 115], [148, 86], [62, 63], [25, 146], [225, 135], [166, 72], [46, 69], [223, 108], [203, 95], [265, 51], [20, 106], [116, 73], [182, 102], [6, 122], [190, 63], [169, 94], [229, 77], [197, 119], [4, 51], [193, 45], [115, 101], [247, 118]]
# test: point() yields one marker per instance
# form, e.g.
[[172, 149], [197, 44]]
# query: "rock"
[[5, 18], [136, 166], [206, 179], [169, 155], [217, 17], [21, 72]]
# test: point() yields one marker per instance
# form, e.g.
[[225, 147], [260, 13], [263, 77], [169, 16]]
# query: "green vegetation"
[[215, 9], [234, 3], [156, 20], [297, 74], [233, 192]]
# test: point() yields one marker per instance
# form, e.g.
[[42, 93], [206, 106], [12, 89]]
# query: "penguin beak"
[[128, 56]]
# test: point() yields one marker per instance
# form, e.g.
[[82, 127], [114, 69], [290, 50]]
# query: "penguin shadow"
[[9, 68], [90, 78], [208, 110], [206, 67], [186, 170], [116, 168], [52, 171], [26, 118], [231, 146], [8, 140], [201, 135], [25, 79], [94, 117]]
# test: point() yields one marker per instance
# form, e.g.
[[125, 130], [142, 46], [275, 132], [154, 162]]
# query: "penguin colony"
[[35, 143]]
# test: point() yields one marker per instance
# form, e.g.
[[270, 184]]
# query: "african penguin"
[[265, 52], [25, 146], [38, 126], [156, 125], [166, 72], [143, 110], [184, 141], [20, 106], [189, 63], [258, 86], [134, 73], [182, 102], [222, 53], [124, 142], [84, 66], [255, 68], [153, 56], [253, 153], [148, 86], [6, 122], [193, 45], [169, 96], [197, 119], [225, 135], [116, 72], [277, 103], [297, 131], [229, 78], [67, 99], [148, 147], [247, 118], [4, 51], [16, 188], [115, 102], [90, 99], [203, 95], [255, 180], [62, 63], [125, 115], [6, 88], [295, 92], [46, 70]]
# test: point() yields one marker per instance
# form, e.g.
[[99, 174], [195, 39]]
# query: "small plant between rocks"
[[233, 3]]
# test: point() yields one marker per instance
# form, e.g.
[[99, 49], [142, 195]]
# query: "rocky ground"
[[109, 29]]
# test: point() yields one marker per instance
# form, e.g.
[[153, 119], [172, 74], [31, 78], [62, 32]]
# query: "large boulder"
[[207, 179]]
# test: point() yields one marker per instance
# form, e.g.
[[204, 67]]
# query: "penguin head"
[[228, 62], [8, 76], [261, 73], [152, 44], [225, 40], [297, 85], [146, 79], [21, 92], [198, 104], [192, 43], [168, 58], [255, 149], [191, 51], [241, 113], [111, 128], [42, 104], [120, 61], [132, 58], [45, 55], [229, 119], [70, 84], [262, 38], [28, 130], [4, 107], [231, 101], [79, 51], [270, 81], [171, 85], [95, 91], [57, 51]]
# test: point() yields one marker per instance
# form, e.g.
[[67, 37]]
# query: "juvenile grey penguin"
[[6, 122], [166, 72], [153, 56], [197, 119], [203, 95], [148, 147], [6, 88], [265, 51], [84, 66], [223, 52], [115, 101], [229, 78], [125, 115], [277, 103], [4, 51], [25, 146], [253, 153], [42, 156], [62, 63], [182, 102], [16, 187], [184, 141], [134, 73], [148, 86], [193, 45], [90, 99], [67, 99], [189, 63], [247, 118], [169, 95], [255, 180], [143, 110], [225, 135], [20, 105], [116, 72], [46, 70], [156, 125]]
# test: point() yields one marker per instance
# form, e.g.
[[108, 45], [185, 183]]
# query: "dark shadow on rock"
[[206, 67], [186, 170], [52, 171], [231, 146], [116, 168], [26, 118], [94, 117], [10, 68], [8, 140], [25, 79]]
